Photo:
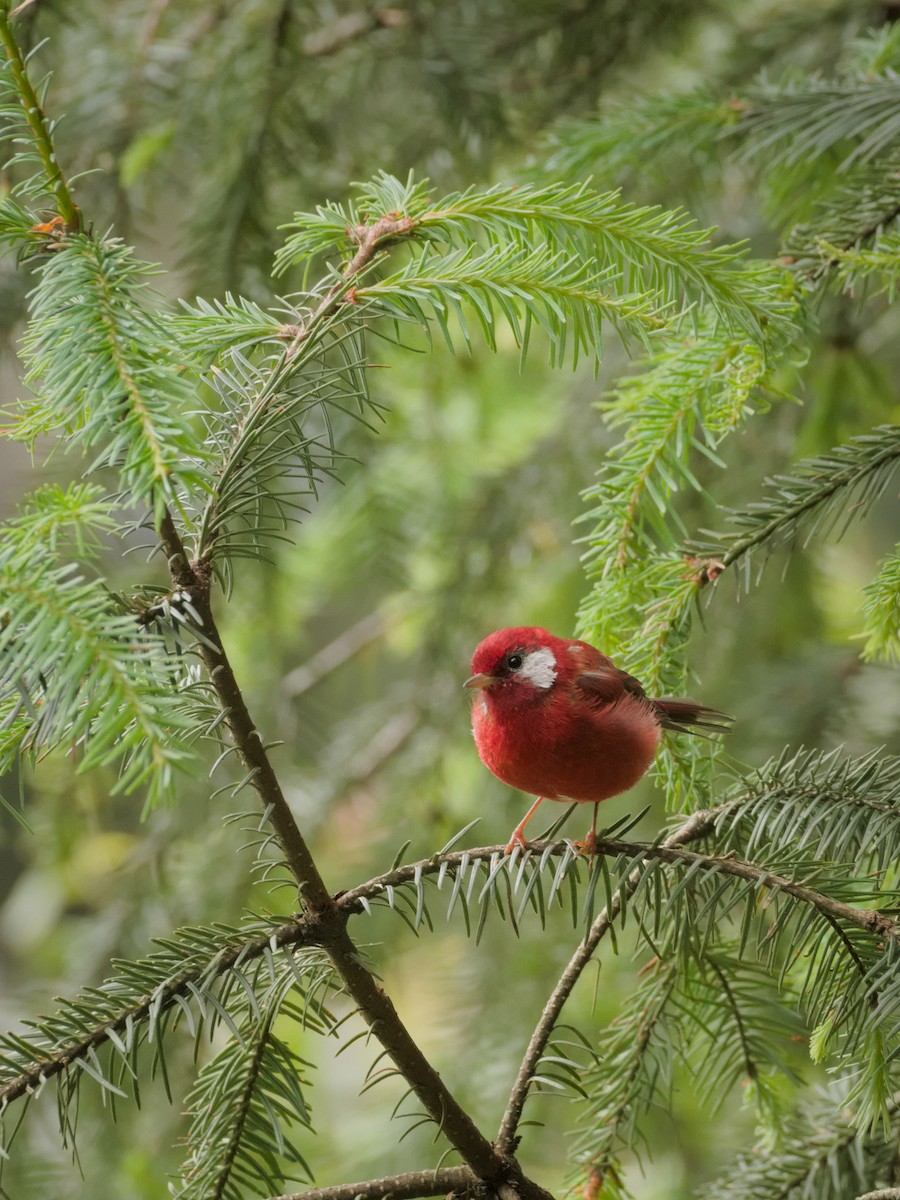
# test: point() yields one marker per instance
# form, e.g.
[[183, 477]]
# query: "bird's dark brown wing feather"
[[607, 685]]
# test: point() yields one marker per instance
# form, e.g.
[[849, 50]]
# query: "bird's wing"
[[607, 685]]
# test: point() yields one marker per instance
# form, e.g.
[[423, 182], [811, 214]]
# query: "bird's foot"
[[589, 845], [517, 839]]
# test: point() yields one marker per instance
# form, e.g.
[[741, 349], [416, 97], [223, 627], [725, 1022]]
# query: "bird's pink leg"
[[589, 845], [518, 838]]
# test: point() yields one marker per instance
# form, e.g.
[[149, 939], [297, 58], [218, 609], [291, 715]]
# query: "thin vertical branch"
[[37, 123], [696, 826]]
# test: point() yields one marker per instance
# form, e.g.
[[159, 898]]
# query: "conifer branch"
[[821, 1154], [229, 1152], [329, 919], [849, 255], [171, 981], [39, 127], [244, 1104], [809, 494], [882, 611], [697, 826], [252, 752], [370, 239], [669, 851], [443, 1181]]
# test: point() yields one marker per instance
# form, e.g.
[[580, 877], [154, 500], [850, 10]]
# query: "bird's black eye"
[[514, 662]]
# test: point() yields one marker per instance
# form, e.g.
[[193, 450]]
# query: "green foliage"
[[655, 133], [820, 497], [882, 611], [714, 1020], [105, 372], [244, 1100], [74, 670], [658, 252], [823, 146], [807, 119], [819, 1154], [273, 433], [241, 978], [836, 808]]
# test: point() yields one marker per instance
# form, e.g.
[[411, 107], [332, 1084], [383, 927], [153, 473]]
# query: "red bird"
[[558, 719]]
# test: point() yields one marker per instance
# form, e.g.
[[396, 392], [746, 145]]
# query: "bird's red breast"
[[556, 718]]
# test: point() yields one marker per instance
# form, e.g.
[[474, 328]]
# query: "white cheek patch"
[[539, 667]]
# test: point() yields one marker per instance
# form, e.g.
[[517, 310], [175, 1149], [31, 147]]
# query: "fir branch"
[[697, 826], [820, 1153], [276, 447], [881, 608], [820, 494], [265, 418], [82, 673], [562, 294], [776, 124], [650, 133], [242, 1105], [869, 920], [139, 997], [252, 751], [855, 263], [373, 1003], [851, 231], [700, 887], [328, 921], [539, 240], [442, 1181], [40, 128], [696, 391], [838, 808], [804, 119], [735, 1026], [657, 250], [627, 1086], [126, 400]]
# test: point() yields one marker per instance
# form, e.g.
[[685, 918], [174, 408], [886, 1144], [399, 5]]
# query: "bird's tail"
[[687, 716]]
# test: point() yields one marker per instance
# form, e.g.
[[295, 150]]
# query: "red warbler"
[[557, 718]]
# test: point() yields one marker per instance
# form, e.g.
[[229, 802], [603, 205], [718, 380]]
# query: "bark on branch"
[[458, 1180]]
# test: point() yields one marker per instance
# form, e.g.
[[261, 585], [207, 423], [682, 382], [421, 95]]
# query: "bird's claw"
[[588, 846], [517, 839]]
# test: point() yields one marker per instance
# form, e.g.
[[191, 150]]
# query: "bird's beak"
[[480, 681]]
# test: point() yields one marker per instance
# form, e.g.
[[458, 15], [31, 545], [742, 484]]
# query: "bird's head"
[[521, 661]]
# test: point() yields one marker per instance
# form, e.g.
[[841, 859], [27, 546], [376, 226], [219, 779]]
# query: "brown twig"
[[330, 39], [406, 1186], [698, 825]]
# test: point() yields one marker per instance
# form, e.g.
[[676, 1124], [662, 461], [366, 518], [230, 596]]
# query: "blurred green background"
[[201, 127]]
